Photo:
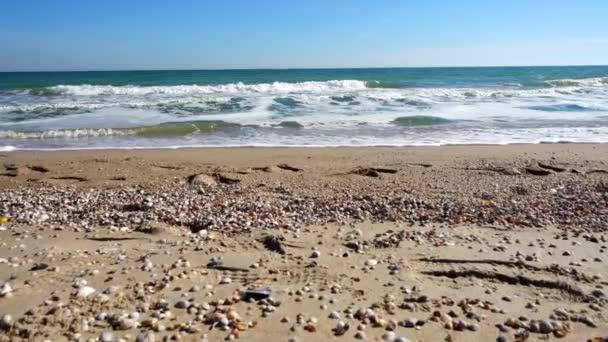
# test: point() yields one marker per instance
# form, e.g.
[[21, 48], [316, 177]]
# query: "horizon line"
[[311, 68]]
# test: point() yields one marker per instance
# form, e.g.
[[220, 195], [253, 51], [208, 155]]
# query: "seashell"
[[183, 303], [85, 291], [240, 326], [147, 337], [512, 323], [371, 262], [388, 336], [310, 327], [233, 315], [6, 321], [341, 328], [409, 322], [360, 335], [545, 327], [106, 336], [6, 290]]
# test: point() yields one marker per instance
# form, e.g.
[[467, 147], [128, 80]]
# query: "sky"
[[38, 35]]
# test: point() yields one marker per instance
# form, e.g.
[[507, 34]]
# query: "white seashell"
[[334, 315], [388, 336], [147, 337], [106, 336], [6, 289], [85, 291], [371, 262], [126, 324], [401, 339]]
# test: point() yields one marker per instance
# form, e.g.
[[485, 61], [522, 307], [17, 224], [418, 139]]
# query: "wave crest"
[[582, 82], [65, 134], [270, 88]]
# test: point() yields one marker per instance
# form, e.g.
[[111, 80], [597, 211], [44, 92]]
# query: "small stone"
[[183, 303], [85, 291], [6, 322], [315, 254], [106, 336], [360, 335], [147, 337], [334, 315], [126, 324], [226, 280], [6, 290], [409, 322], [501, 338], [388, 336], [371, 262], [545, 327]]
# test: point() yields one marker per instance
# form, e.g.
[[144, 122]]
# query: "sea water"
[[303, 107]]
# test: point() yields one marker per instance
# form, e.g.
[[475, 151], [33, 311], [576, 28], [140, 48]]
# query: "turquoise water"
[[303, 107]]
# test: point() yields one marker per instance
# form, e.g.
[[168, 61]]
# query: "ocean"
[[303, 107]]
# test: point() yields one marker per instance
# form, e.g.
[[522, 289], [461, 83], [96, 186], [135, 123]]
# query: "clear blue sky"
[[199, 34]]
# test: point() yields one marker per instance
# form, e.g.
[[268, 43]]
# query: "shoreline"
[[191, 147]]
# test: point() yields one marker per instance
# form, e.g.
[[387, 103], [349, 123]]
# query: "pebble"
[[598, 293], [226, 280], [6, 290], [183, 303], [334, 315], [6, 322], [315, 254], [360, 335], [341, 328], [146, 337], [401, 339], [85, 291], [371, 262], [409, 322], [106, 336], [545, 327], [388, 336], [126, 324]]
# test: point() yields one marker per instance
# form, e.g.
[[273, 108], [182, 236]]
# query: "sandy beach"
[[452, 243]]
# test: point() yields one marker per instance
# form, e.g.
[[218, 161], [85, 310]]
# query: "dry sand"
[[452, 240]]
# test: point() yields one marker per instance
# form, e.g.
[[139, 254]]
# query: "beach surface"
[[451, 243]]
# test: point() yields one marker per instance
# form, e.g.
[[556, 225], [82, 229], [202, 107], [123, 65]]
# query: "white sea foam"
[[64, 134], [233, 88], [582, 82], [331, 111]]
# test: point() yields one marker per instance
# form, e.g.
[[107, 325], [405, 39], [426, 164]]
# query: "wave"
[[420, 120], [167, 129], [581, 82], [65, 134], [379, 84], [565, 107], [265, 88]]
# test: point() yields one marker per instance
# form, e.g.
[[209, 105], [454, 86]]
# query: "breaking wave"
[[263, 88], [582, 82]]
